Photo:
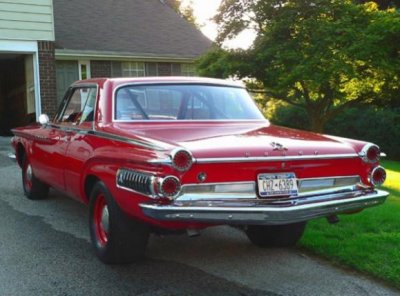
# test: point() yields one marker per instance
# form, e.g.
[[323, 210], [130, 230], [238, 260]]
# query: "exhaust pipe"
[[333, 219], [191, 232]]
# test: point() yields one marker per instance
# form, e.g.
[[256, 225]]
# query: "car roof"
[[166, 79]]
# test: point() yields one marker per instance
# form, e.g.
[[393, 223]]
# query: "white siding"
[[26, 20]]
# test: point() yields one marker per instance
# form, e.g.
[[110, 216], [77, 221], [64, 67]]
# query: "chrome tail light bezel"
[[180, 152], [161, 190], [373, 179], [369, 149]]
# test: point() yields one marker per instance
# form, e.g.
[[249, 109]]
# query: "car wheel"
[[33, 188], [275, 235], [115, 237]]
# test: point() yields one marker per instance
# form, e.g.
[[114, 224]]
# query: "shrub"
[[372, 124], [368, 123]]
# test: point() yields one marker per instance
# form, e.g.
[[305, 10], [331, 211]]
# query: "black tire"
[[34, 189], [267, 236], [116, 238]]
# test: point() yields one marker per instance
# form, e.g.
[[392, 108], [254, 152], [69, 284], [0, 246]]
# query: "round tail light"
[[170, 187], [182, 160], [370, 153], [378, 176]]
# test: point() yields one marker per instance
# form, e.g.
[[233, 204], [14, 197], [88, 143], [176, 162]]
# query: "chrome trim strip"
[[175, 121], [106, 135], [274, 158], [263, 213], [167, 161], [128, 140], [196, 195], [238, 196], [216, 195], [308, 185]]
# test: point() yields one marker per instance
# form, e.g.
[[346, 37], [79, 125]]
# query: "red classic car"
[[164, 155]]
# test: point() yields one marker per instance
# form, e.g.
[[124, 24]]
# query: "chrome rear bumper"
[[263, 211]]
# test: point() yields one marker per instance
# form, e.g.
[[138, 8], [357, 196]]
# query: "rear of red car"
[[264, 186]]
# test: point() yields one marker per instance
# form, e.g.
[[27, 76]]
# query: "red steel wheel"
[[115, 237], [101, 220], [27, 177], [33, 187]]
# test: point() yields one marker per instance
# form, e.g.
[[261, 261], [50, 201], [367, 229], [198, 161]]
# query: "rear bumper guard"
[[264, 212]]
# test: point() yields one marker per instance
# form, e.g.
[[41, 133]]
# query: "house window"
[[188, 70], [84, 70], [133, 69]]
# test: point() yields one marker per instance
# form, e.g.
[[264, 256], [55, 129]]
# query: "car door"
[[48, 150], [56, 137]]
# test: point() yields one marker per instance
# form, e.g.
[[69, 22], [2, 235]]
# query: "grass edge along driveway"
[[368, 241]]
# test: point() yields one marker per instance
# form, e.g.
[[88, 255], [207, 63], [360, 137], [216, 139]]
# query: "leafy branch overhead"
[[320, 55], [183, 9]]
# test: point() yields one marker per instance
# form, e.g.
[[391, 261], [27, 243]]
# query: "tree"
[[383, 4], [320, 55], [184, 9]]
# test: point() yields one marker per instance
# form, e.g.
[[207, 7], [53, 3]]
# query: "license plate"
[[277, 184]]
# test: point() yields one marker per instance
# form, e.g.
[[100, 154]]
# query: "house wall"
[[24, 24], [26, 20], [47, 70], [113, 69]]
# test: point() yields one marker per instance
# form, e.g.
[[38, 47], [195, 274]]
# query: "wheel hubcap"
[[104, 219], [101, 220], [28, 177], [29, 173]]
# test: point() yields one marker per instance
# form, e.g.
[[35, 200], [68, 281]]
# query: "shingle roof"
[[142, 27]]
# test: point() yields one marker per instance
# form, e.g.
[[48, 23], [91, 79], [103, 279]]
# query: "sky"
[[204, 10]]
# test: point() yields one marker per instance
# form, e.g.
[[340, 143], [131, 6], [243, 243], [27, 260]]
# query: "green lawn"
[[368, 241]]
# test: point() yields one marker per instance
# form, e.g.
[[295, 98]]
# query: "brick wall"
[[100, 69], [47, 72]]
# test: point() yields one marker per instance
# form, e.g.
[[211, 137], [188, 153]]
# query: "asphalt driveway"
[[45, 250]]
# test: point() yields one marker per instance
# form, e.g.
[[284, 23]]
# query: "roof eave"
[[68, 54]]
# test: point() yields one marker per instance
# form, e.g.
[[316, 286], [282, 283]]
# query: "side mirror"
[[43, 119]]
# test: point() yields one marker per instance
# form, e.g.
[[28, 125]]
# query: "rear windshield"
[[184, 102]]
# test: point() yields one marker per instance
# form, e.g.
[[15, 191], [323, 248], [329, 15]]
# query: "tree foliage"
[[184, 9], [320, 55], [383, 4]]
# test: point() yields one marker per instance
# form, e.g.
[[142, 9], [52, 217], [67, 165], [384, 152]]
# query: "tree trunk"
[[317, 121]]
